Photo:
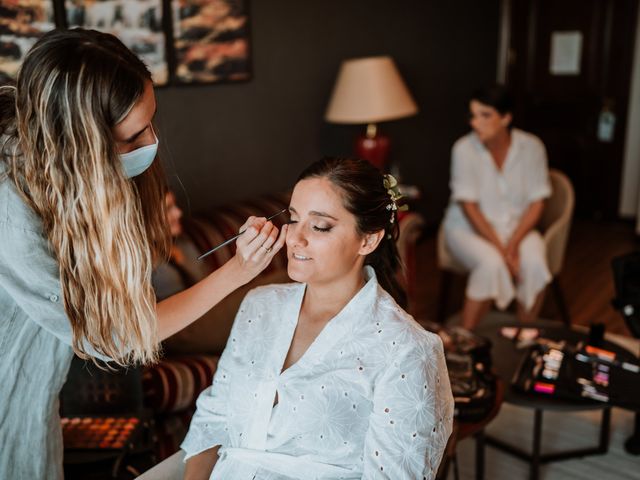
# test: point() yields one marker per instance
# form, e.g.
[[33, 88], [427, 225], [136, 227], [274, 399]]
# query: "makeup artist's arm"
[[181, 309]]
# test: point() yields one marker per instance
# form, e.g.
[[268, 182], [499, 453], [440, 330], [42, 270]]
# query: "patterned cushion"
[[174, 384], [171, 388]]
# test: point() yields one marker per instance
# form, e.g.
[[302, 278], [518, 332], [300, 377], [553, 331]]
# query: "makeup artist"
[[82, 221]]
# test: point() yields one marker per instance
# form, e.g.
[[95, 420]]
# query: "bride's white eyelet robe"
[[370, 398]]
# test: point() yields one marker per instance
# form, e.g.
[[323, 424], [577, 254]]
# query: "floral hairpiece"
[[393, 189]]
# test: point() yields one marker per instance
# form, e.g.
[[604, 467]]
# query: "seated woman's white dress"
[[370, 398], [503, 197]]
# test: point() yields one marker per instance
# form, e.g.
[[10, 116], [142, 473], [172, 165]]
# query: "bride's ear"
[[370, 242]]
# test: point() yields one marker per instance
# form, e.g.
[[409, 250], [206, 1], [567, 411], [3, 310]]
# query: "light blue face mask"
[[137, 161]]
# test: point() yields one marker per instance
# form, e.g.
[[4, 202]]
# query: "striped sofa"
[[172, 386]]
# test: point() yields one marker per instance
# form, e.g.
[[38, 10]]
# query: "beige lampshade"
[[369, 90]]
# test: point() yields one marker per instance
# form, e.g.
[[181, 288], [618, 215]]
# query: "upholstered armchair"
[[554, 225]]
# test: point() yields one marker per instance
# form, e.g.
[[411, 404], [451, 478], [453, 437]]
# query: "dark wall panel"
[[228, 142]]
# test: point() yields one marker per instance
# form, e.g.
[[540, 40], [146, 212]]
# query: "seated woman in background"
[[499, 181], [327, 378]]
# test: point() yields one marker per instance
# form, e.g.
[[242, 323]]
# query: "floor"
[[586, 278]]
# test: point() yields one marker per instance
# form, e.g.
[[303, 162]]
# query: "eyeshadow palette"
[[110, 433], [561, 370]]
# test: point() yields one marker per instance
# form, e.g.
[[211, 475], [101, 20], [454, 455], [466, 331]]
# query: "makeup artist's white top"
[[502, 195], [35, 339], [370, 398]]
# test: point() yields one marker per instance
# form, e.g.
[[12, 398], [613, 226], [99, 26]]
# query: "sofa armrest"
[[411, 226]]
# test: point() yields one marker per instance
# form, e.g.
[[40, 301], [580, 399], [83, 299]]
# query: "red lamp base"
[[374, 147]]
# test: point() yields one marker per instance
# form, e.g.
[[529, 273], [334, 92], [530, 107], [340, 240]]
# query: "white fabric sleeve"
[[412, 415], [29, 273], [539, 185], [208, 426], [463, 183]]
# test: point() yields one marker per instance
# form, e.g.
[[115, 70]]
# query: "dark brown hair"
[[496, 96], [367, 199]]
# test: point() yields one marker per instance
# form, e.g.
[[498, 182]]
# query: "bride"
[[327, 378]]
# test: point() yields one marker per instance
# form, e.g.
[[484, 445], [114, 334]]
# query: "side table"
[[506, 358]]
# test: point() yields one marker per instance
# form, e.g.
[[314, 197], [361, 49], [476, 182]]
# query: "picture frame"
[[137, 23], [211, 41], [22, 22], [181, 41]]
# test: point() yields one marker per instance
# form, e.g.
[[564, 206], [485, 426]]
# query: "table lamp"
[[367, 91]]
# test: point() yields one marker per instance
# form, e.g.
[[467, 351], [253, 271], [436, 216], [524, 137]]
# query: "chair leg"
[[534, 467], [446, 279], [456, 471], [605, 429], [558, 296], [480, 443], [632, 445], [448, 458]]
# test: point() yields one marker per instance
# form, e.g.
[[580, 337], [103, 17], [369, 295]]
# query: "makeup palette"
[[579, 372], [110, 433]]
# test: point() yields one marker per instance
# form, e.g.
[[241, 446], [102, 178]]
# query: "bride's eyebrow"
[[315, 213], [322, 214]]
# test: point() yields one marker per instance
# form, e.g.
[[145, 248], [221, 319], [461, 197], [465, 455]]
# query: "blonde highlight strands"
[[104, 229]]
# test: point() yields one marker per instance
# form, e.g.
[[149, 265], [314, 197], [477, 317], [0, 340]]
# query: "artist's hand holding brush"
[[256, 247]]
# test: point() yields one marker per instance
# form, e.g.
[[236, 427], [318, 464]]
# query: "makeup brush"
[[227, 242]]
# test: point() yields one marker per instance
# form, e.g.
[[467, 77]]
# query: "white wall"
[[630, 192]]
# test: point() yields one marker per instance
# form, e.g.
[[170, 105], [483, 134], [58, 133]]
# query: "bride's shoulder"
[[401, 324]]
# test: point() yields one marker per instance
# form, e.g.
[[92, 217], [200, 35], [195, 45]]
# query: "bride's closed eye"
[[316, 228]]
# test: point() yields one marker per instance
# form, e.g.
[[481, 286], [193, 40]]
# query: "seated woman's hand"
[[512, 258], [257, 246]]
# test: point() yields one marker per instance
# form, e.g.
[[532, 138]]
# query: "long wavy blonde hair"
[[104, 229]]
